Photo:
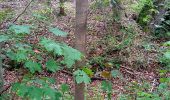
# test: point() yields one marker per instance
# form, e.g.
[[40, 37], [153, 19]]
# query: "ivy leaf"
[[20, 29], [3, 38], [58, 32], [33, 66], [81, 77], [51, 65], [64, 88]]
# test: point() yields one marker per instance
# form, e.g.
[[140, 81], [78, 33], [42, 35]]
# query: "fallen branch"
[[23, 11], [153, 85], [5, 89]]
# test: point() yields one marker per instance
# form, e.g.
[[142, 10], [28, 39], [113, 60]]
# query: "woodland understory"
[[126, 53]]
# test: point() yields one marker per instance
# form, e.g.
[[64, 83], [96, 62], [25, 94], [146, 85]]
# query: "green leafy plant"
[[162, 30], [33, 66], [137, 7], [5, 14], [81, 77], [24, 54], [146, 9], [70, 54], [167, 4], [165, 57], [3, 38], [20, 29], [101, 3], [38, 89], [57, 32], [107, 87], [52, 65]]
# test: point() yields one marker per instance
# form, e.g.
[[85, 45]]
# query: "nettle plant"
[[30, 56]]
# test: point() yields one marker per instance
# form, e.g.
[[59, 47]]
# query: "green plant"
[[137, 7], [43, 15], [145, 9], [162, 30], [167, 4], [100, 4], [22, 53], [165, 57], [81, 77], [143, 91], [36, 88], [107, 87], [5, 14]]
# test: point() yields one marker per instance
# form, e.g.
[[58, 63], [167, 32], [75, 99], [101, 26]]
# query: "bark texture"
[[62, 12], [80, 41]]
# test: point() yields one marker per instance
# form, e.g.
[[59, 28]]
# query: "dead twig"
[[5, 89], [23, 11], [153, 85]]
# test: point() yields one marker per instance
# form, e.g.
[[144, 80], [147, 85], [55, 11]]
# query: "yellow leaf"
[[108, 64], [106, 74]]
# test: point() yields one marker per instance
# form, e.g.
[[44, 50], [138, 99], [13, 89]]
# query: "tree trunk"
[[1, 71], [62, 12], [80, 41]]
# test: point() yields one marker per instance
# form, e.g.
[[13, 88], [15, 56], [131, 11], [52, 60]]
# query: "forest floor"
[[138, 63]]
